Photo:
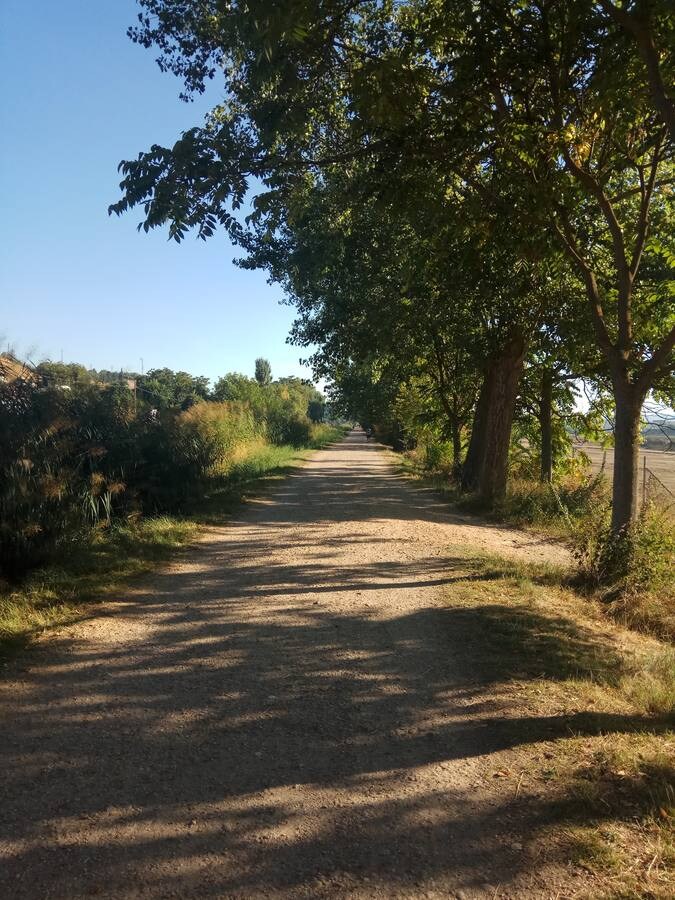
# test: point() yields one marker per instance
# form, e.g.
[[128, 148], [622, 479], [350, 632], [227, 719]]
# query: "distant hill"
[[659, 433]]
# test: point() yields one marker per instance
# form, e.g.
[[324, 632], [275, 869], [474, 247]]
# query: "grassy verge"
[[595, 716], [531, 505], [639, 593], [57, 594]]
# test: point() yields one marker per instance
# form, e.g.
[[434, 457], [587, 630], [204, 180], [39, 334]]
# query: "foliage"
[[633, 571], [438, 457], [166, 389], [316, 410], [61, 374], [433, 184], [568, 500], [322, 433], [57, 478], [206, 436], [77, 458], [652, 560], [238, 388], [263, 372]]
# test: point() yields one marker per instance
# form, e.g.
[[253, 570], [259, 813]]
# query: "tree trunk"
[[545, 424], [486, 464], [476, 450], [506, 371], [625, 506], [456, 443], [454, 426]]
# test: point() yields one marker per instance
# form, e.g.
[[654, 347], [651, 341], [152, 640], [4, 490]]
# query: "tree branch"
[[650, 56], [597, 315], [619, 250], [658, 361], [643, 220]]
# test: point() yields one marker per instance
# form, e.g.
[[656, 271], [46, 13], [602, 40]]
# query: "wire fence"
[[651, 488], [654, 490]]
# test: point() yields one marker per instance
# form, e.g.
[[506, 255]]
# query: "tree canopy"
[[447, 193]]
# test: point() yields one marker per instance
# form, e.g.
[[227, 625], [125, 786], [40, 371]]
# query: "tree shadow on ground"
[[240, 736], [181, 747]]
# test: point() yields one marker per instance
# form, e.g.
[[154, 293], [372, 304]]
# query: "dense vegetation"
[[80, 454], [469, 204]]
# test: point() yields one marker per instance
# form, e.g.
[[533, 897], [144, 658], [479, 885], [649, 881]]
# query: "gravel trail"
[[287, 712]]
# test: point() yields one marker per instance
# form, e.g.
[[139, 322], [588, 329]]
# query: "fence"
[[651, 487]]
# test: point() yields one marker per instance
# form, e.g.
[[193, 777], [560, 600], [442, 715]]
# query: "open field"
[[659, 464]]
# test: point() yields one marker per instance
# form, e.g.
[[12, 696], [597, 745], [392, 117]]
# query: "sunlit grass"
[[54, 595], [610, 769]]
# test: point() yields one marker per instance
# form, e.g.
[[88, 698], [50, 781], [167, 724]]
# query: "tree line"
[[470, 204]]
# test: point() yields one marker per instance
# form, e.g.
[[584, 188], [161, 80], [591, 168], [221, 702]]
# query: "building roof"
[[13, 369]]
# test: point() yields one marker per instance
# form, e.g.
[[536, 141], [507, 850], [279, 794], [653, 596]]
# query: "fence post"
[[644, 479]]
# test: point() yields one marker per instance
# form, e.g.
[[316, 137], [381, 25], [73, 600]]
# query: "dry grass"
[[576, 511], [609, 772], [625, 784]]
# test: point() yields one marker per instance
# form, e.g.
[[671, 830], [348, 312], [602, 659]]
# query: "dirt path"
[[284, 716]]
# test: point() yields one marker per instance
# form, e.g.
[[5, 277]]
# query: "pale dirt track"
[[291, 713]]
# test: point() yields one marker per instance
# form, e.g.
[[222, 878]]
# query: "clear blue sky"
[[77, 98]]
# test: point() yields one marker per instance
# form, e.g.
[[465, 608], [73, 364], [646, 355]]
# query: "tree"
[[167, 389], [263, 372], [60, 374], [316, 410], [573, 113], [649, 24]]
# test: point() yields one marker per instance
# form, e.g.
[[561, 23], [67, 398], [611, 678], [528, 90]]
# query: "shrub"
[[207, 435], [632, 571], [652, 561], [642, 558], [75, 459], [287, 427], [58, 479], [438, 457], [321, 433]]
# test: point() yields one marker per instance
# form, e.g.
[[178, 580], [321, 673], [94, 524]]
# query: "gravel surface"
[[282, 713]]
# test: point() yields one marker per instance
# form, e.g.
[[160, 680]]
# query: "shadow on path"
[[286, 715]]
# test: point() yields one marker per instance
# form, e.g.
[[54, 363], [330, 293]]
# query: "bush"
[[286, 427], [207, 435], [74, 460], [321, 433], [642, 559], [438, 457], [652, 561], [58, 478], [633, 571]]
